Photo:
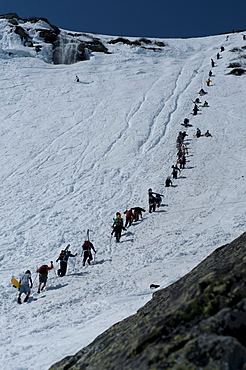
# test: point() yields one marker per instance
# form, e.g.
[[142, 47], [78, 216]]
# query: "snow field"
[[73, 154]]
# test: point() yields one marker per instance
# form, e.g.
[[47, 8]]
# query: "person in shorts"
[[25, 287], [43, 275]]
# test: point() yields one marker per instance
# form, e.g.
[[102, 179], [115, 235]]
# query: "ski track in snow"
[[74, 154]]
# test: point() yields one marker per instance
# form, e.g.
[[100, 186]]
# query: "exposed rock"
[[199, 322], [124, 41], [139, 43], [28, 43], [38, 48], [62, 48], [97, 46], [9, 16], [238, 72], [13, 21], [49, 36], [21, 32]]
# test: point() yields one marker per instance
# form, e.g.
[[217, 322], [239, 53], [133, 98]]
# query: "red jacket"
[[128, 213], [47, 269]]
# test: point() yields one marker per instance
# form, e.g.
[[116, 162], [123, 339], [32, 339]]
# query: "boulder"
[[199, 322]]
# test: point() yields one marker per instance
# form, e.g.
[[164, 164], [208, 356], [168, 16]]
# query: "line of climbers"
[[180, 145], [132, 215]]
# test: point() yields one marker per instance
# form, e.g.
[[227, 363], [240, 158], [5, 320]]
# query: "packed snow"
[[73, 154]]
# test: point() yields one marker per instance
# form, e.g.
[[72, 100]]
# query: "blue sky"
[[156, 18]]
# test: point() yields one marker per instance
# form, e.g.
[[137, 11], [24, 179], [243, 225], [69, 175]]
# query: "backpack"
[[86, 245], [62, 255], [118, 222], [43, 270]]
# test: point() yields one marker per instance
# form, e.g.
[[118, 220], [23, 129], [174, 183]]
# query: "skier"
[[118, 227], [210, 73], [205, 104], [24, 286], [87, 247], [222, 49], [197, 101], [129, 217], [208, 81], [218, 56], [137, 212], [43, 275], [63, 258], [212, 63], [195, 110], [168, 182], [76, 78]]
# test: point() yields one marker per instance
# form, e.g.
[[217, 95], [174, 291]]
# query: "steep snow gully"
[[72, 154]]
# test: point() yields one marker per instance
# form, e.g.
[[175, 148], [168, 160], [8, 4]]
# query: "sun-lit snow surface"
[[72, 154]]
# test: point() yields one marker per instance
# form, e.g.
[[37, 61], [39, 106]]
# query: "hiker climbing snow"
[[25, 288], [63, 258], [43, 275], [118, 227], [86, 249]]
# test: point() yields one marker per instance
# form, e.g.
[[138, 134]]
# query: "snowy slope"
[[72, 154]]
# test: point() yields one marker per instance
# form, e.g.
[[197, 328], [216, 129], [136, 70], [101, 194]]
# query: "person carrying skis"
[[129, 217], [86, 248], [118, 227], [63, 258], [24, 286], [43, 275], [152, 201]]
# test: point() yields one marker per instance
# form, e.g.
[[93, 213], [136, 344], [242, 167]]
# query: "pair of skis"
[[88, 238]]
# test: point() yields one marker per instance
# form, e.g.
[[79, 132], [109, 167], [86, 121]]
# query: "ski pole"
[[35, 279], [74, 264], [55, 273]]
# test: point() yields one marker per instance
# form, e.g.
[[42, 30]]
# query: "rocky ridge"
[[198, 322]]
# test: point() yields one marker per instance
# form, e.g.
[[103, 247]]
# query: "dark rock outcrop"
[[238, 72], [199, 322], [63, 48], [139, 42], [9, 16]]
